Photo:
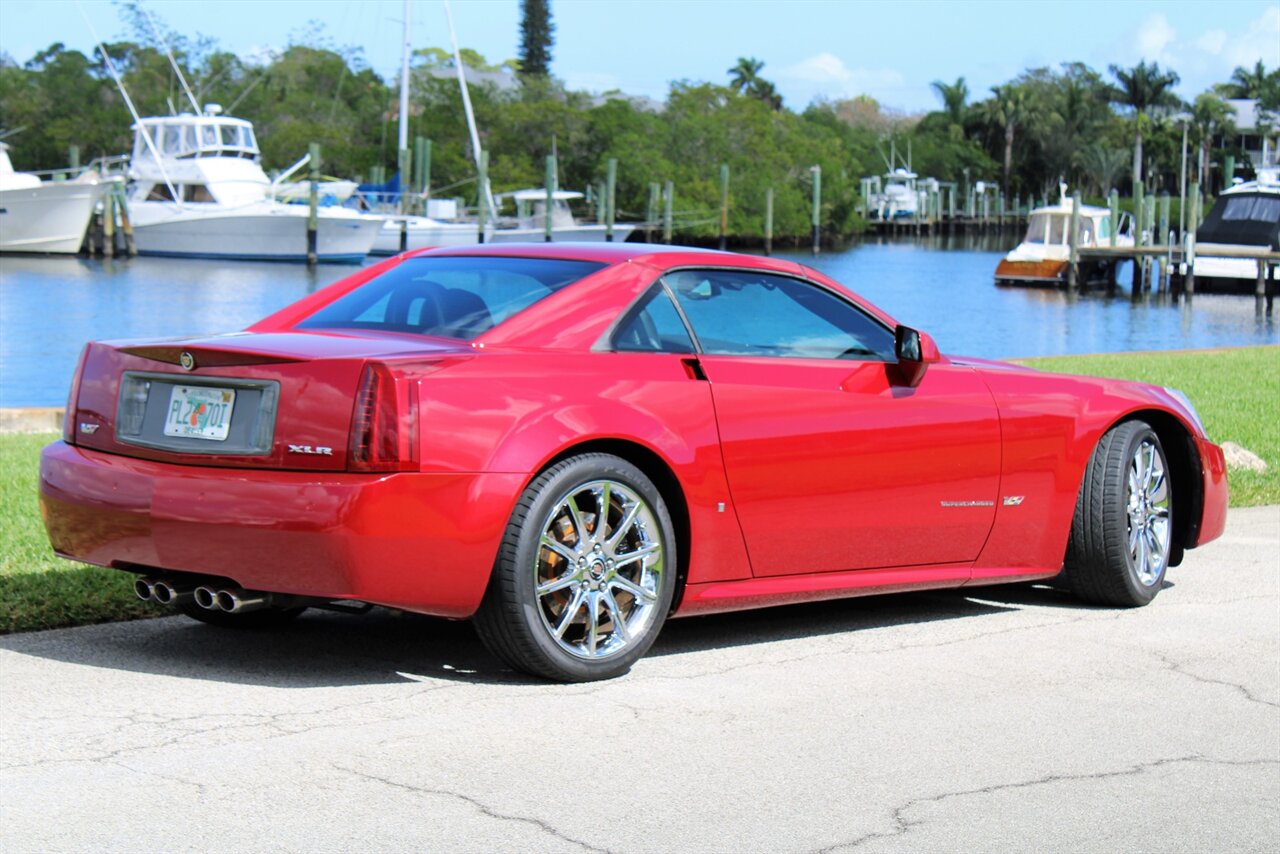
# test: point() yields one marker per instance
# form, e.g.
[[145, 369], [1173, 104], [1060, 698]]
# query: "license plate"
[[199, 412]]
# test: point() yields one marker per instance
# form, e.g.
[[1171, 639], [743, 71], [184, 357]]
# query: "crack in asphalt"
[[276, 723], [1243, 690], [903, 825], [484, 808]]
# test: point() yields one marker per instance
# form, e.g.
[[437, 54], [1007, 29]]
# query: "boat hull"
[[51, 218], [276, 233], [423, 233], [562, 234], [1045, 271]]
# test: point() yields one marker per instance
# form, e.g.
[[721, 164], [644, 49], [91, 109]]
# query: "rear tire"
[[1122, 532], [264, 618], [585, 574]]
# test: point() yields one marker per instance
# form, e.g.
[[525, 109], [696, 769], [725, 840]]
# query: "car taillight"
[[73, 397], [384, 423]]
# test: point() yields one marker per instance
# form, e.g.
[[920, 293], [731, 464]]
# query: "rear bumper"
[[1213, 474], [422, 542]]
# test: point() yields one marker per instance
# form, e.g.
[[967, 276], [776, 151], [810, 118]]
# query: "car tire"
[[263, 618], [1122, 532], [573, 599]]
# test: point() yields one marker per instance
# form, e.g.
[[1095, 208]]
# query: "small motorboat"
[[45, 216], [1042, 256]]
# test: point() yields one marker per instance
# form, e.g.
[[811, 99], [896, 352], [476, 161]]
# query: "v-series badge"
[[319, 450]]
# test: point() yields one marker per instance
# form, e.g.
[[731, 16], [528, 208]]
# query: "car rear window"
[[449, 297]]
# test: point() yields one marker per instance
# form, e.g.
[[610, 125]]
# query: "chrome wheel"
[[1148, 511], [599, 569]]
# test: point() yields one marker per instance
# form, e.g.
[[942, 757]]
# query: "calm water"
[[50, 306]]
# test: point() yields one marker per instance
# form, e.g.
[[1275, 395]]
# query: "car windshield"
[[449, 297]]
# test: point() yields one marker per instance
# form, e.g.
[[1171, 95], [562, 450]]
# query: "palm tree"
[[744, 76], [1008, 110], [1250, 84], [953, 97], [1103, 165], [1209, 115], [745, 79], [1141, 88]]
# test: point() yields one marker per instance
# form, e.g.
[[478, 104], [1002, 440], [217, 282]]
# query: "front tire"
[[1122, 533], [585, 574]]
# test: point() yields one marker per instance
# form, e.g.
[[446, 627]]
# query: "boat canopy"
[[1247, 219], [190, 136], [1050, 226]]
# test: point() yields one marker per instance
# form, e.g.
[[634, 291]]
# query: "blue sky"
[[889, 50]]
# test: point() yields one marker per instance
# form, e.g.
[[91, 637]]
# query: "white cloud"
[[1261, 41], [826, 74], [1155, 34], [1212, 42]]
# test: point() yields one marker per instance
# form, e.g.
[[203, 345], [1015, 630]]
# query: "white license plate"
[[199, 412]]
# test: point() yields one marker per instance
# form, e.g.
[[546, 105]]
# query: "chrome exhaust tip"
[[237, 601], [144, 588], [168, 593], [206, 597]]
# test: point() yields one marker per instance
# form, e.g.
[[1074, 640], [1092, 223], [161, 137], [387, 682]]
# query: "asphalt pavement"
[[994, 719]]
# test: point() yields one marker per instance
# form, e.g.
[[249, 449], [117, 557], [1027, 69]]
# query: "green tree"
[[537, 35], [1141, 89], [1103, 166], [1009, 109], [745, 79], [1210, 115], [953, 97]]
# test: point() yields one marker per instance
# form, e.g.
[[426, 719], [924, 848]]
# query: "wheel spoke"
[[593, 621], [603, 499], [628, 519], [638, 554], [578, 527], [1160, 491], [570, 611], [1142, 556], [634, 589], [559, 548], [615, 613], [567, 580], [1134, 530]]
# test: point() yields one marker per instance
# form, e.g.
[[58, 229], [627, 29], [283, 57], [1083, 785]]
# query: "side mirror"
[[915, 351]]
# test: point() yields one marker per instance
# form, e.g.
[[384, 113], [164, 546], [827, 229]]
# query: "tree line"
[[1071, 123]]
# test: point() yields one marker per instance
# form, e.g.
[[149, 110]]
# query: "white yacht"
[[1245, 216], [530, 220], [45, 216], [197, 190], [440, 227], [1043, 254], [900, 198]]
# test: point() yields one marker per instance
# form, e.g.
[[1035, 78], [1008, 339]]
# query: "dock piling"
[[651, 210], [109, 225], [1073, 241], [817, 208], [1189, 258], [1260, 288], [482, 194], [668, 199], [611, 184], [724, 205], [313, 204], [126, 224], [549, 181], [768, 221]]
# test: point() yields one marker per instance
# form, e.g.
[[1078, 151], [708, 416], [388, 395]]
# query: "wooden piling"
[[549, 179], [422, 172], [1073, 241], [1260, 288], [817, 208], [1193, 222], [126, 224], [651, 210], [611, 184], [1113, 202], [483, 194], [109, 225], [1162, 234], [73, 157], [668, 198], [768, 221], [724, 205], [313, 204]]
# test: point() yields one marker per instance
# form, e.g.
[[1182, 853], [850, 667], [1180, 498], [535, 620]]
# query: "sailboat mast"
[[404, 85], [486, 193]]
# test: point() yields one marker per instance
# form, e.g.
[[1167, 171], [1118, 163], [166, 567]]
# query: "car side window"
[[742, 313], [653, 326]]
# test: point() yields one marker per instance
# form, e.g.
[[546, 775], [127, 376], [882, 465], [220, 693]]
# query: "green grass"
[[1236, 391], [37, 589]]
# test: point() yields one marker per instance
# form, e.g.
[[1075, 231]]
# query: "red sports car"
[[570, 444]]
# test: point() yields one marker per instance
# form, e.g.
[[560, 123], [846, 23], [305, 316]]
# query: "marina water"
[[50, 306]]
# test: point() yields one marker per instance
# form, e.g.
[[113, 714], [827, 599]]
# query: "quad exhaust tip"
[[144, 588]]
